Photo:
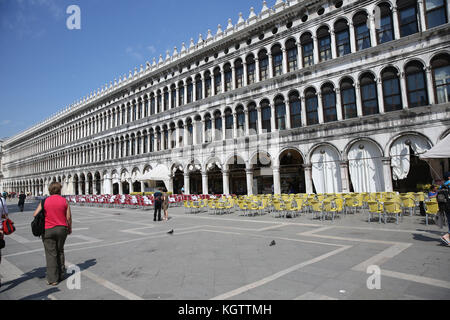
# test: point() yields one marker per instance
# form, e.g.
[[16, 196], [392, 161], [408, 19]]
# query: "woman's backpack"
[[38, 224], [443, 198]]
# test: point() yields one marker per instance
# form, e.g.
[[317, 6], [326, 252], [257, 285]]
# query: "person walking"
[[158, 204], [446, 208], [165, 205], [3, 215], [58, 225], [21, 203]]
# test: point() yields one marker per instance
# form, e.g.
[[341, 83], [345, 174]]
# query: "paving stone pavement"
[[123, 254]]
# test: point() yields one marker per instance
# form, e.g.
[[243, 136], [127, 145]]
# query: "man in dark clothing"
[[22, 198], [158, 204]]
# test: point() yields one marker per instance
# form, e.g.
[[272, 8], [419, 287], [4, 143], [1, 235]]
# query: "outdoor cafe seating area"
[[381, 207]]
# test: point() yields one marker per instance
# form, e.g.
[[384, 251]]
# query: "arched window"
[[239, 69], [292, 54], [152, 104], [342, 38], [190, 90], [198, 88], [134, 111], [180, 94], [127, 151], [228, 77], [416, 84], [251, 69], [145, 142], [217, 81], [158, 139], [369, 96], [166, 138], [218, 124], [173, 98], [253, 118], [391, 90], [128, 114], [166, 99], [441, 75], [312, 115], [280, 113], [436, 13], [145, 109], [324, 39], [277, 59], [228, 124], [348, 97], [263, 65], [208, 89], [362, 32], [190, 137], [266, 115], [139, 144], [296, 110], [158, 102], [208, 128], [407, 16], [152, 141], [240, 121], [307, 49], [329, 103], [385, 32]]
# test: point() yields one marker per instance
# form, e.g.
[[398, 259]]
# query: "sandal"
[[445, 241], [54, 284]]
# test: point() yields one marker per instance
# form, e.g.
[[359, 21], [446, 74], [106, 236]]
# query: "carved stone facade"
[[285, 101]]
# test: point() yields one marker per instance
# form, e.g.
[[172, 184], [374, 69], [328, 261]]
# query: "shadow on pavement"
[[40, 273], [41, 295]]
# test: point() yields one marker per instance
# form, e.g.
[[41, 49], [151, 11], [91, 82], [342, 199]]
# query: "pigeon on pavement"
[[273, 243], [170, 232]]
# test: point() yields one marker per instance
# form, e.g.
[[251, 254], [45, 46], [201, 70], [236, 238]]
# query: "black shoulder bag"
[[38, 224]]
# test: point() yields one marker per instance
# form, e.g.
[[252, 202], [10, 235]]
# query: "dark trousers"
[[21, 206], [54, 240], [157, 211]]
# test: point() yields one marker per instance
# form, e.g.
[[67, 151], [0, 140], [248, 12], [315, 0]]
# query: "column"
[[403, 89], [345, 177], [194, 132], [320, 107], [204, 133], [269, 55], [226, 182], [247, 123], [186, 184], [373, 33], [213, 122], [163, 139], [430, 86], [222, 72], [338, 104], [358, 100], [249, 175], [303, 112], [257, 69], [194, 90], [86, 186], [308, 179], [142, 186], [316, 49], [224, 129], [235, 126], [170, 186], [352, 37], [273, 118], [177, 135], [300, 55], [205, 182], [276, 180], [130, 183], [213, 82], [387, 174], [423, 25], [333, 44], [285, 60], [120, 187], [244, 64], [258, 108], [186, 136], [380, 95], [185, 92], [233, 77], [395, 23]]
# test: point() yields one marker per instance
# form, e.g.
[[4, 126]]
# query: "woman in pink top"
[[58, 225]]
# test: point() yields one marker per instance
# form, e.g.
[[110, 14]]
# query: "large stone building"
[[313, 95]]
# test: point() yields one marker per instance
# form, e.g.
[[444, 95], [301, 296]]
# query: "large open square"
[[124, 255]]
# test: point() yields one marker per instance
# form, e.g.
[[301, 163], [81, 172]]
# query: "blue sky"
[[44, 66]]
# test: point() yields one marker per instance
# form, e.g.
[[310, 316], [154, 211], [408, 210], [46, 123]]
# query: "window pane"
[[442, 83], [408, 21], [436, 17]]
